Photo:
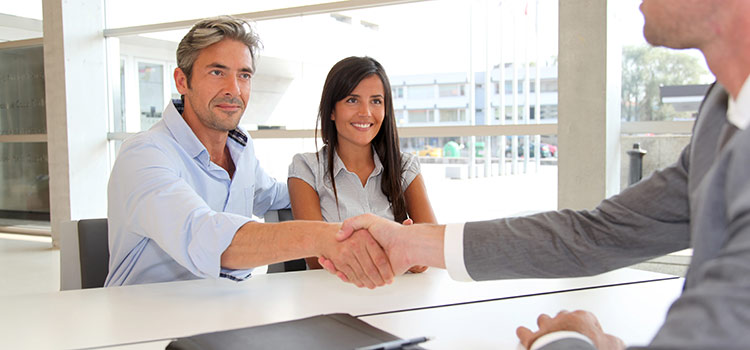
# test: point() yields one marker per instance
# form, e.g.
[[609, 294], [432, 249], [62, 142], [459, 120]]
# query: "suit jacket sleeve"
[[648, 219]]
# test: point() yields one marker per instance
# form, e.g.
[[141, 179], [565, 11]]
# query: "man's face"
[[680, 24], [219, 86]]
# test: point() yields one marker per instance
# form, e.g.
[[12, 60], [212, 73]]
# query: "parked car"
[[545, 150], [552, 150], [429, 151]]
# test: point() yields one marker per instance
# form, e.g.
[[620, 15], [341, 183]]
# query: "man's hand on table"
[[579, 321]]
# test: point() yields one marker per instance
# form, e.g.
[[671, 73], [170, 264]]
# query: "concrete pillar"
[[588, 103], [76, 106]]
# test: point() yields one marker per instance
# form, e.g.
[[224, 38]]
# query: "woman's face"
[[359, 115]]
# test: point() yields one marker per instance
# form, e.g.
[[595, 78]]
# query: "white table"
[[142, 313], [632, 312]]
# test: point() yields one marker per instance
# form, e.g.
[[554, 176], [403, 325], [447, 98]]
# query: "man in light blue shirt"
[[180, 194]]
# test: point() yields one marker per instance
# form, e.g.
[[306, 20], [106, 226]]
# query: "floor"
[[28, 264], [32, 227]]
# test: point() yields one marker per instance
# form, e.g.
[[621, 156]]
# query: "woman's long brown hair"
[[341, 81]]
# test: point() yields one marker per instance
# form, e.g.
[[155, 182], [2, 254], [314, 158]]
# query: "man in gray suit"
[[702, 201]]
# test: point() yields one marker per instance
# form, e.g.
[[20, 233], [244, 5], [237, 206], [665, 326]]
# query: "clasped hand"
[[359, 260], [385, 235]]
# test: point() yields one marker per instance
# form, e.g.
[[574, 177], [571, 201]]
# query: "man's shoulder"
[[154, 146], [158, 136]]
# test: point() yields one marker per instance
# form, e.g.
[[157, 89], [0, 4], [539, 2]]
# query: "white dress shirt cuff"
[[453, 247], [555, 336], [738, 109]]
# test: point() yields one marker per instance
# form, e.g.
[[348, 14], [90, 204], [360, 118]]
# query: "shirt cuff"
[[236, 275], [550, 338], [227, 229], [453, 247]]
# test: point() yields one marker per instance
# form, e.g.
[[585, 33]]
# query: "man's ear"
[[180, 81]]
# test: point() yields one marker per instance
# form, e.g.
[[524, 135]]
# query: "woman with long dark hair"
[[360, 168]]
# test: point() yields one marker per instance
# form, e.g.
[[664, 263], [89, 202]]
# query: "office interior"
[[500, 79]]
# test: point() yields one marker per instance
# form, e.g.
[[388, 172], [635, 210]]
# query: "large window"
[[417, 116], [24, 173], [447, 90], [422, 92], [549, 85], [658, 84], [398, 92], [151, 93], [452, 115], [432, 86], [661, 92], [472, 74]]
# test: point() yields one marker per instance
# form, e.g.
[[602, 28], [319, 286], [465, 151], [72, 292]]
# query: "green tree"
[[644, 70]]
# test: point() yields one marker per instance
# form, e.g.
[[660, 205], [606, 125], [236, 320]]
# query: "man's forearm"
[[361, 259], [425, 244], [257, 244]]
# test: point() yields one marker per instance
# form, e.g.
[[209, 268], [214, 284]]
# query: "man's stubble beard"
[[213, 120]]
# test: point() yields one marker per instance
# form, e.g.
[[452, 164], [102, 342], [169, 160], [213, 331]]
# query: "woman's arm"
[[417, 204], [419, 208], [305, 206]]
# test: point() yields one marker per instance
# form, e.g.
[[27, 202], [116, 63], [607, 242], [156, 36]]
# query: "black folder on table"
[[330, 332]]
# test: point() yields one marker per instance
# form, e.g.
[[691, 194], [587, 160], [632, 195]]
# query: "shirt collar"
[[182, 132], [338, 164], [378, 165], [186, 138], [738, 111]]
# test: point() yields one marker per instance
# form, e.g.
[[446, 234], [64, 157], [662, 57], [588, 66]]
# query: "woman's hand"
[[414, 269]]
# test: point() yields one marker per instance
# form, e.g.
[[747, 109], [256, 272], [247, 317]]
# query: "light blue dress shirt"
[[172, 212]]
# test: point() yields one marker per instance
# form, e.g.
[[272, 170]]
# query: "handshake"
[[371, 250]]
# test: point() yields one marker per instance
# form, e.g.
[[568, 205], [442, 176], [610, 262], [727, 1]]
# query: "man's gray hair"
[[210, 31]]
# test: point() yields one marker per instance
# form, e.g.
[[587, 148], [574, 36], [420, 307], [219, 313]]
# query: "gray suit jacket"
[[702, 201]]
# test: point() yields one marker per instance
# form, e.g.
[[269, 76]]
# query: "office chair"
[[93, 252], [291, 265]]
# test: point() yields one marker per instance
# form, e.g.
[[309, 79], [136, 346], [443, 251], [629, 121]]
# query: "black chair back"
[[93, 252]]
